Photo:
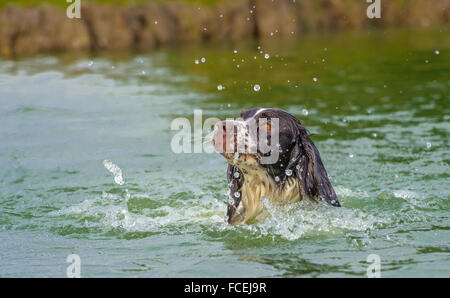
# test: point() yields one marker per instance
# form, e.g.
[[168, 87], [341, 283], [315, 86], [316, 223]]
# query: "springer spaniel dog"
[[269, 155]]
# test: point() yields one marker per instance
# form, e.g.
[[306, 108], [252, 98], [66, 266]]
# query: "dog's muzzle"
[[225, 137]]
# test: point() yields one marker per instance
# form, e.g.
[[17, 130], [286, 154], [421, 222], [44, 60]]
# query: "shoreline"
[[29, 30]]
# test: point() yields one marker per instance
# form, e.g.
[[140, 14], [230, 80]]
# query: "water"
[[86, 165]]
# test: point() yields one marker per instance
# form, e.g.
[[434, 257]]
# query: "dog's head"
[[274, 142]]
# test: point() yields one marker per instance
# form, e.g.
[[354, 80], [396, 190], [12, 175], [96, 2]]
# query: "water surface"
[[376, 102]]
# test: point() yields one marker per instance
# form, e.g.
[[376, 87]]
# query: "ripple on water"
[[309, 219], [304, 219], [183, 212]]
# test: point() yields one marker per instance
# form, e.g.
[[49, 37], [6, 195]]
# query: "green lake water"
[[377, 104]]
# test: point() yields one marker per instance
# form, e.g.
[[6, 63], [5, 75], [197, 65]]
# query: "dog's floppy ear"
[[235, 181], [309, 169]]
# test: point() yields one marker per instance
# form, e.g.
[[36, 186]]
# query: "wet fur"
[[256, 185], [253, 182]]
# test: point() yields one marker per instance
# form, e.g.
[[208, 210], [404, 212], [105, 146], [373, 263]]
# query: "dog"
[[290, 171]]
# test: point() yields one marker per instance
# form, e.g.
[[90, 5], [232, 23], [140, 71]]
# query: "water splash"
[[290, 222], [112, 211], [306, 218], [115, 170], [406, 194]]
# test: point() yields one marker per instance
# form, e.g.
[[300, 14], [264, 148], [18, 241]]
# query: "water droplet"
[[374, 135], [428, 145], [236, 175], [277, 179], [315, 79], [220, 87], [203, 59], [235, 51], [267, 56], [236, 156], [156, 22], [436, 52], [256, 87], [350, 155], [271, 33], [305, 112], [237, 194], [288, 172], [196, 61]]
